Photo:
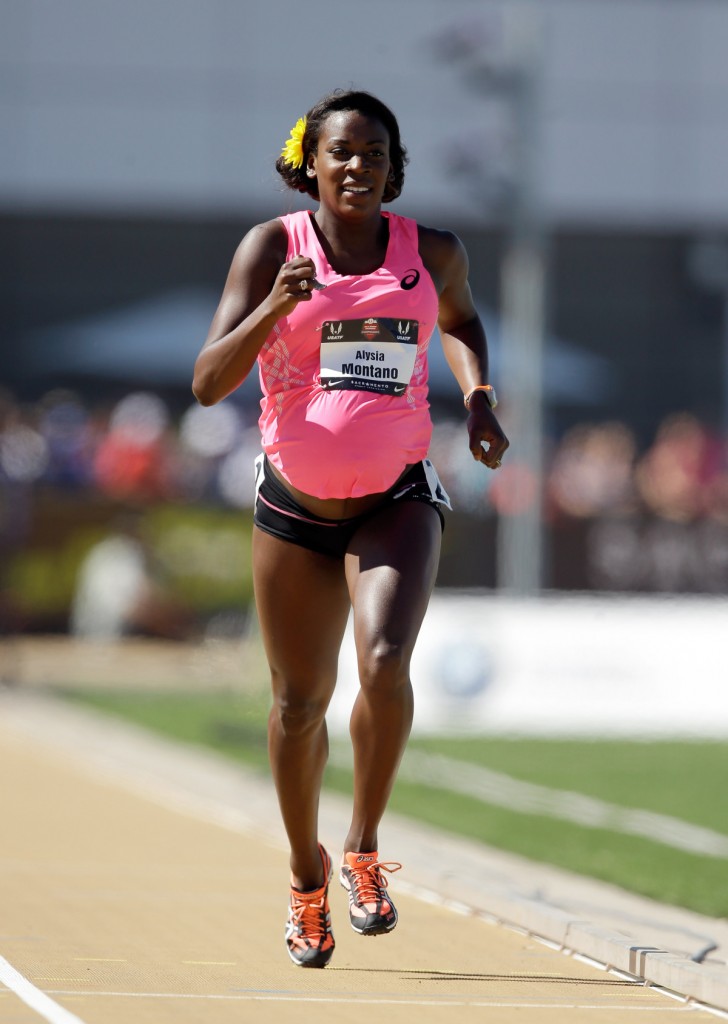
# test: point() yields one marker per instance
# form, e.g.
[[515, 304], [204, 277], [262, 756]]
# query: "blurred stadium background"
[[590, 138]]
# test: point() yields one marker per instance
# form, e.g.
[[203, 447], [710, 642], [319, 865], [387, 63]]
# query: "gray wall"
[[183, 105]]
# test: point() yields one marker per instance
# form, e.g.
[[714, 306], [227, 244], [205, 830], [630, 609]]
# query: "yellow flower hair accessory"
[[292, 152]]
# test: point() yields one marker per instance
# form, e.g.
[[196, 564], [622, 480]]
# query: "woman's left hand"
[[488, 443]]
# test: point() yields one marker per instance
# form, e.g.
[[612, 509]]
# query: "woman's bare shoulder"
[[268, 238], [260, 254], [443, 253]]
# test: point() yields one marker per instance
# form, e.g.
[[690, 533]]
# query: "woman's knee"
[[298, 715], [384, 668]]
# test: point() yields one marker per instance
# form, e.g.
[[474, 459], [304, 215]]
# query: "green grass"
[[686, 780], [683, 779]]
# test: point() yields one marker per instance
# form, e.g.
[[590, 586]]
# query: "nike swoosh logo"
[[399, 388]]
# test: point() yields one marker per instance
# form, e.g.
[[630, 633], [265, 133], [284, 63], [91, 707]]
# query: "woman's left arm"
[[463, 340]]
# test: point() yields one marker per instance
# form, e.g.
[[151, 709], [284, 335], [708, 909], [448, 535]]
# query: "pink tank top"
[[344, 376]]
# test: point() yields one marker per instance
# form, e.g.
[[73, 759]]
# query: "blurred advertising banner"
[[564, 666]]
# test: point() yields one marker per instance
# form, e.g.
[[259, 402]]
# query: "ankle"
[[307, 875], [361, 843]]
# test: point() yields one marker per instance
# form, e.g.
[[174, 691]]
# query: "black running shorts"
[[277, 512]]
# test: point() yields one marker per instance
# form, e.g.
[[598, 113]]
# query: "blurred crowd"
[[682, 476], [138, 450], [134, 450]]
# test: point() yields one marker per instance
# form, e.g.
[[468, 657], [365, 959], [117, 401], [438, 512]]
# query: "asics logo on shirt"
[[410, 280]]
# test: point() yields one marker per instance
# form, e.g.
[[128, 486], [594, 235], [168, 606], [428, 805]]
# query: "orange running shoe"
[[371, 910], [309, 938]]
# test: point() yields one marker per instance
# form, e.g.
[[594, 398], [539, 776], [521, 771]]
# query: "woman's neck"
[[353, 248]]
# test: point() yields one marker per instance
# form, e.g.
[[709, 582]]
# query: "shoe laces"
[[309, 915], [369, 880]]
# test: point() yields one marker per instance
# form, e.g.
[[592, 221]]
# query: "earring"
[[310, 172]]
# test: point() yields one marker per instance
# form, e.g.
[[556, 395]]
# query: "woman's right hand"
[[287, 290], [262, 286]]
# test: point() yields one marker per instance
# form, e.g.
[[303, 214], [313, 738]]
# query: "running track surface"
[[116, 909]]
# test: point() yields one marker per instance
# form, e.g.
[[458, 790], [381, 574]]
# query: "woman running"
[[337, 306]]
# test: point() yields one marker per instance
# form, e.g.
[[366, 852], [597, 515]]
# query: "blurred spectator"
[[217, 454], [24, 455], [65, 427], [117, 594], [676, 476], [132, 459], [592, 471]]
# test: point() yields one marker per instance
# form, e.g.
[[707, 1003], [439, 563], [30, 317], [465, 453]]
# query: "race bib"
[[377, 354]]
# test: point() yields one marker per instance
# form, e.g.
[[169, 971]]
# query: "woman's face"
[[351, 163]]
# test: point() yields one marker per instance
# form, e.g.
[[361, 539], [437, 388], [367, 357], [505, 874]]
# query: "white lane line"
[[346, 1001], [34, 998], [502, 790]]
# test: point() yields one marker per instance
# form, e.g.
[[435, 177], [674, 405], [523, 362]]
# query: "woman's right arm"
[[260, 289]]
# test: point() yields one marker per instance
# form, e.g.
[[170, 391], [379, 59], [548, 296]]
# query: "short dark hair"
[[363, 103]]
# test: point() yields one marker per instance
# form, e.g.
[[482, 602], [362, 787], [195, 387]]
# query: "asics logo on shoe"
[[364, 860]]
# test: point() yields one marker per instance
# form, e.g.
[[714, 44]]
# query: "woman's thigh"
[[391, 566], [303, 606]]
